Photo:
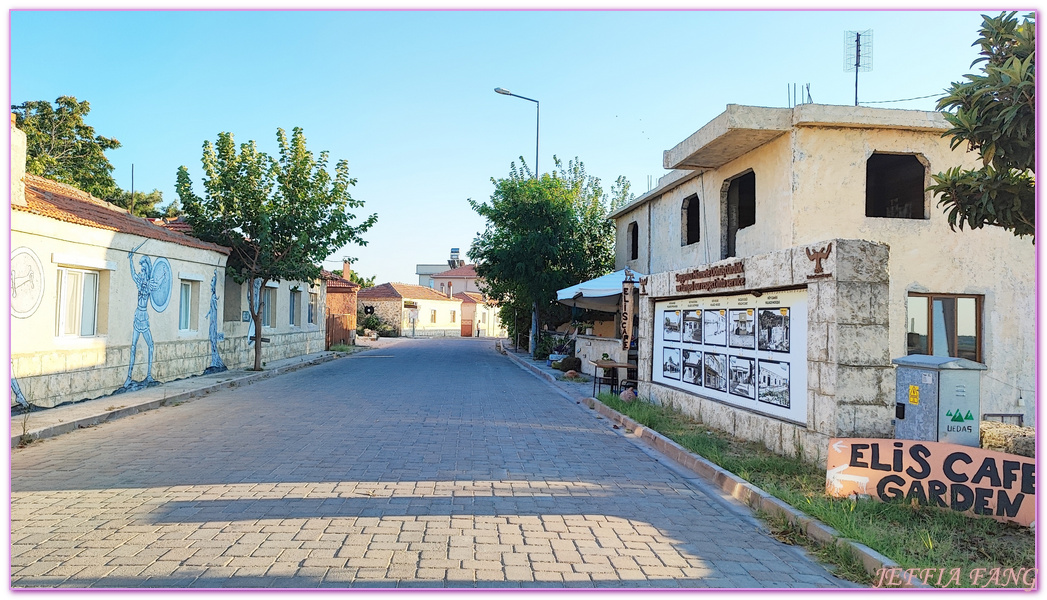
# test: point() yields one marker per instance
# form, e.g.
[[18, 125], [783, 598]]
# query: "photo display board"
[[745, 351]]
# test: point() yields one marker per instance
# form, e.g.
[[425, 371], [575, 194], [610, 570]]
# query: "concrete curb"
[[105, 416], [740, 489]]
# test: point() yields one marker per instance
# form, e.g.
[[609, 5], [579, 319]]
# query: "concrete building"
[[103, 301], [413, 310], [458, 279], [803, 245], [480, 316]]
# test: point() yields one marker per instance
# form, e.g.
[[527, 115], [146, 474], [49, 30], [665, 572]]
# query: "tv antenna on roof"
[[857, 54]]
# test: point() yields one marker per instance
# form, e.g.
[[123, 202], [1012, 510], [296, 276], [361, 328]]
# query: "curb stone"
[[104, 416], [740, 489]]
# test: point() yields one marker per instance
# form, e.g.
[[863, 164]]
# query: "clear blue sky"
[[407, 97]]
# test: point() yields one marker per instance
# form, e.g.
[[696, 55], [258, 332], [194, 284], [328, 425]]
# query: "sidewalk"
[[49, 422]]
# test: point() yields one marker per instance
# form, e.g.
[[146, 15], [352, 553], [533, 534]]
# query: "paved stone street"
[[427, 463]]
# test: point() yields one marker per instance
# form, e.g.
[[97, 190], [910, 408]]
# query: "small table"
[[613, 379]]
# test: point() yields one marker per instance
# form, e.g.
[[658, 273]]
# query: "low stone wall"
[[1012, 439], [589, 347], [48, 379]]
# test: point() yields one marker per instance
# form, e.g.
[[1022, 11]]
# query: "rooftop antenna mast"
[[858, 54]]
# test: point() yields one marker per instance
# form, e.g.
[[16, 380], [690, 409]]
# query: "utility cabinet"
[[938, 399]]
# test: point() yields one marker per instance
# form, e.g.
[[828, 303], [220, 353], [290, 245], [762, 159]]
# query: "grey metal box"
[[938, 399]]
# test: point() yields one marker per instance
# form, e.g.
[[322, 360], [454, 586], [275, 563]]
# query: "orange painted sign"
[[961, 478]]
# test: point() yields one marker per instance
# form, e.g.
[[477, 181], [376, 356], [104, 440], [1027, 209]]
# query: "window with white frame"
[[314, 299], [296, 304], [188, 305], [268, 307], [77, 302]]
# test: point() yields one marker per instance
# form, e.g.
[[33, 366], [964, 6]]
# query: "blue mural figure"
[[17, 391], [217, 365], [154, 285], [257, 294]]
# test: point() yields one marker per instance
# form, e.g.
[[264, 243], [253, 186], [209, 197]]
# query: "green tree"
[[140, 204], [354, 277], [281, 218], [60, 146], [995, 116], [543, 234]]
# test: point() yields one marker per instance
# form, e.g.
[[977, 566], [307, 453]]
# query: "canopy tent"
[[603, 293]]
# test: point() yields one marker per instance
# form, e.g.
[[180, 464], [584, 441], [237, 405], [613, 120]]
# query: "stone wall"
[[850, 379]]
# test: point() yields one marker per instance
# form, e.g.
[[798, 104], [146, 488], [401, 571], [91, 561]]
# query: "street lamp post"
[[538, 120]]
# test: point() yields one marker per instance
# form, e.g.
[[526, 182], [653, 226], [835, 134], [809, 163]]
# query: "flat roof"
[[741, 129]]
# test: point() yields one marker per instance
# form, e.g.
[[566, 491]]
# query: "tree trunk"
[[534, 331], [257, 339]]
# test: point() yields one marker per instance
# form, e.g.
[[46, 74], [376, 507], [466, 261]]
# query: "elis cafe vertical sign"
[[627, 309]]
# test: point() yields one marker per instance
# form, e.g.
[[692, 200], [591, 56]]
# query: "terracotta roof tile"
[[465, 271], [336, 283], [65, 203], [470, 297], [388, 291]]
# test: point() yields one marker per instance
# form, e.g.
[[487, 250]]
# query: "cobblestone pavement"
[[429, 463]]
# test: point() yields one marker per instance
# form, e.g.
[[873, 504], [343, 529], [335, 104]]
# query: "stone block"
[[862, 385], [825, 413], [821, 296], [52, 362], [774, 269], [817, 341], [862, 345], [873, 421], [860, 260], [805, 269], [827, 378], [813, 372], [879, 303], [852, 303], [844, 422], [815, 447]]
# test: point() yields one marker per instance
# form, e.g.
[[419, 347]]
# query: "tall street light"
[[538, 120]]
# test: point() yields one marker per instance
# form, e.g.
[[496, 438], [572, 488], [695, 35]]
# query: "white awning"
[[603, 293]]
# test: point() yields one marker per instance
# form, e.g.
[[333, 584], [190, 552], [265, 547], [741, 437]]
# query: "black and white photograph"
[[742, 377], [774, 383], [742, 328], [715, 371], [671, 363], [671, 325], [692, 366], [692, 326], [774, 329], [714, 327]]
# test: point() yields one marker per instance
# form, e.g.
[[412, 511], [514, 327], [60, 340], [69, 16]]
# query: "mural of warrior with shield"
[[154, 285]]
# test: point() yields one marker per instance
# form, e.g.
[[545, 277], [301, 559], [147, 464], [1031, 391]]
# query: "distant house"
[[459, 279], [341, 307], [480, 316], [413, 310]]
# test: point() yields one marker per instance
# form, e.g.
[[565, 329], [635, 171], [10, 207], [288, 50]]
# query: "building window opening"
[[944, 325], [894, 186], [432, 316], [77, 302], [188, 305], [634, 241], [739, 210], [268, 307], [691, 234]]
